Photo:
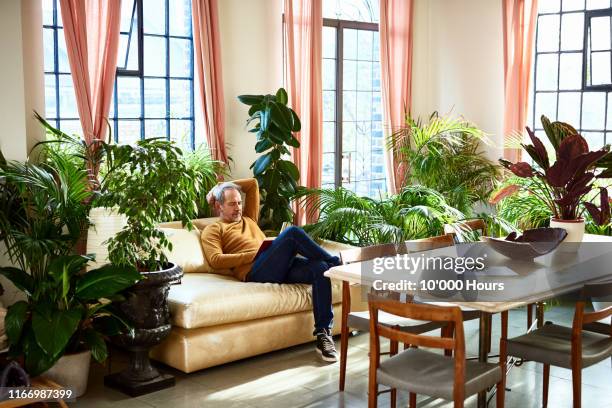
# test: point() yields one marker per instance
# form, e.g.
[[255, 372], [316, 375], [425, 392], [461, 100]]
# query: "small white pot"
[[575, 233], [71, 371]]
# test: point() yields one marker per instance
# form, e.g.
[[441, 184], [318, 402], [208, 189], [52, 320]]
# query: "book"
[[268, 242]]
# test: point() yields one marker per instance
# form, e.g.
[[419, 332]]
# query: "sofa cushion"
[[206, 299], [186, 249]]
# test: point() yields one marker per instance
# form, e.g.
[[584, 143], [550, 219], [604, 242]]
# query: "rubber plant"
[[273, 123], [564, 184]]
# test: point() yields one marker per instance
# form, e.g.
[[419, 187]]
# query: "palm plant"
[[416, 212], [444, 154]]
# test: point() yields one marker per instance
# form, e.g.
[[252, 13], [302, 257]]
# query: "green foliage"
[[66, 311], [207, 171], [445, 155], [42, 212], [147, 183], [274, 124], [416, 212]]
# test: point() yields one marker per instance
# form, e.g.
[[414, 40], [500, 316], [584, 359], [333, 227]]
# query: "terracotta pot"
[[71, 371]]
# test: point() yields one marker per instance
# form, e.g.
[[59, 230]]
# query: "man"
[[233, 243]]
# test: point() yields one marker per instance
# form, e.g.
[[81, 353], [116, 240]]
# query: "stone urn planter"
[[146, 305], [71, 371]]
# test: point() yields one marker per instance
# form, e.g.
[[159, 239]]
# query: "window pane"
[[570, 71], [329, 136], [548, 33], [349, 75], [601, 69], [62, 54], [329, 105], [180, 132], [600, 33], [128, 13], [568, 108], [376, 46], [354, 10], [128, 94], [609, 114], [547, 70], [180, 98], [128, 57], [595, 140], [155, 128], [376, 106], [155, 98], [47, 10], [572, 31], [129, 131], [350, 44], [597, 4], [569, 5], [593, 110], [329, 74], [154, 56], [180, 18], [329, 42], [364, 75], [376, 76], [549, 6], [364, 45], [364, 106], [180, 58], [546, 104], [349, 136], [154, 17], [50, 102], [68, 106], [72, 127], [328, 173], [349, 108], [49, 49]]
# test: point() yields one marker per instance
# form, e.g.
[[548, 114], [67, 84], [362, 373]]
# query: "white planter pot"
[[71, 371], [106, 222], [575, 233]]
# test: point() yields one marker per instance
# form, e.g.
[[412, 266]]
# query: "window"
[[570, 68], [353, 141], [154, 89]]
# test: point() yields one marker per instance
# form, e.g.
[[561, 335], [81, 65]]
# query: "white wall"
[[458, 63], [251, 48]]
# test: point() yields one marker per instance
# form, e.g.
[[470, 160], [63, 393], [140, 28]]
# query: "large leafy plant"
[[274, 123], [208, 171], [416, 212], [147, 183], [445, 154], [66, 311], [564, 184]]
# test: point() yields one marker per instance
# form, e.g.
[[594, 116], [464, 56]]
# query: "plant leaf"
[[281, 96], [14, 321], [54, 331], [250, 99], [106, 281], [261, 164], [96, 344], [19, 278]]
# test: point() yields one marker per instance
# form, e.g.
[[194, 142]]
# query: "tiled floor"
[[297, 378]]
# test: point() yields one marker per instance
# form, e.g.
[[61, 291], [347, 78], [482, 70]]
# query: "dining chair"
[[420, 371], [361, 320], [574, 348]]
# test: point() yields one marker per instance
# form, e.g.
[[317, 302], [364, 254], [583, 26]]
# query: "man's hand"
[[210, 197]]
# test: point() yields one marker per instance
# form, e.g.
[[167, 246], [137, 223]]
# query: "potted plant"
[[67, 313], [146, 184], [278, 178], [565, 183]]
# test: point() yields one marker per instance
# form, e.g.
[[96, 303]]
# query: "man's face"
[[231, 209]]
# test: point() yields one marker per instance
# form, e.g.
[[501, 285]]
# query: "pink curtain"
[[207, 55], [303, 48], [396, 76], [91, 28], [519, 24]]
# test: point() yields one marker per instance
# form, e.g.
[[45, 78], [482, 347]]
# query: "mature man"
[[233, 243]]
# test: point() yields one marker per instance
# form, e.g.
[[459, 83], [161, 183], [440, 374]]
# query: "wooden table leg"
[[540, 314], [485, 325], [344, 332]]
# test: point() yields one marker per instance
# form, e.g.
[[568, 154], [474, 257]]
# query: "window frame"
[[340, 25], [588, 15], [140, 41]]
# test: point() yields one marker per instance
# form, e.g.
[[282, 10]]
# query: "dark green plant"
[[445, 155], [148, 183], [208, 171], [274, 124], [416, 212], [66, 310]]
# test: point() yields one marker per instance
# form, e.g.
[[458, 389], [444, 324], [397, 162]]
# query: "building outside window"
[[154, 89]]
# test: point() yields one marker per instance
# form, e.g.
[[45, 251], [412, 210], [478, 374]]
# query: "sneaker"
[[333, 261], [325, 346]]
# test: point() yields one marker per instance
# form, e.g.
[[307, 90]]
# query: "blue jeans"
[[280, 264]]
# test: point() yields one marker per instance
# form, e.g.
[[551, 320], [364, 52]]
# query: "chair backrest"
[[593, 290], [375, 251], [418, 311], [426, 244]]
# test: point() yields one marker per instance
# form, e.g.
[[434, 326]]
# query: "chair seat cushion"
[[424, 372], [208, 299], [552, 344], [361, 321]]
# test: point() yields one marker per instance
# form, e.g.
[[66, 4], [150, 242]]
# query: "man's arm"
[[250, 187], [211, 243]]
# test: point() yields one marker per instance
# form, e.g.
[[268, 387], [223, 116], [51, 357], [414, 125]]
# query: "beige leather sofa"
[[217, 319]]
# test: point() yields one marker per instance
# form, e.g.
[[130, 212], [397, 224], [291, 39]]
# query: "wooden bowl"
[[533, 243]]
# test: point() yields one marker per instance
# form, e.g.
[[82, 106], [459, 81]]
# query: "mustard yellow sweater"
[[233, 245]]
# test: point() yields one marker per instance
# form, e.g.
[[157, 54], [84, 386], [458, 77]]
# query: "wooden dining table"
[[548, 276]]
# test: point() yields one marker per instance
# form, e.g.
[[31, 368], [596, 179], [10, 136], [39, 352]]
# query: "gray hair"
[[219, 191]]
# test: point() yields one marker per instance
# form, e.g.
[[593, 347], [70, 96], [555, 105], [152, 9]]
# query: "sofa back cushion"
[[186, 249]]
